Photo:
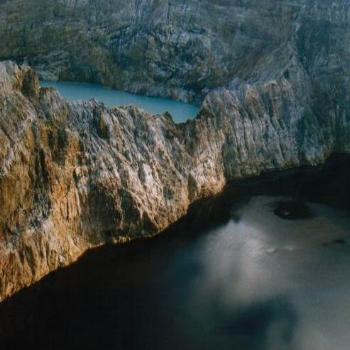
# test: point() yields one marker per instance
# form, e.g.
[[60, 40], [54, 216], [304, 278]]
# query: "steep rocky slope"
[[177, 48], [275, 91], [77, 175]]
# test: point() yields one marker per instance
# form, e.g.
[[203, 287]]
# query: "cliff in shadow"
[[77, 175], [271, 80]]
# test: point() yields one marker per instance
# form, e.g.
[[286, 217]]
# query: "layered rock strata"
[[78, 175], [178, 48]]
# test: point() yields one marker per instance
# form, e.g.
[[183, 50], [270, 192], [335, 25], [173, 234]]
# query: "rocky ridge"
[[177, 48], [274, 90], [77, 175]]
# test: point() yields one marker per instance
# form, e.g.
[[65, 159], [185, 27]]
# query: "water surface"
[[72, 91], [256, 282]]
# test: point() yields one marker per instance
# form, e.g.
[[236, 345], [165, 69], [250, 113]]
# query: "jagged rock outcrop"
[[275, 91], [74, 176], [177, 48], [77, 175]]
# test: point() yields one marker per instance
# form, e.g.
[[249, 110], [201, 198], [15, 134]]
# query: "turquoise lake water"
[[72, 91]]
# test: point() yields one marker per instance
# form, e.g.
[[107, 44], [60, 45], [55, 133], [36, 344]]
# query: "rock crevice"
[[271, 79], [78, 175]]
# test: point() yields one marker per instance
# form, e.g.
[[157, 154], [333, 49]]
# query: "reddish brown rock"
[[78, 175]]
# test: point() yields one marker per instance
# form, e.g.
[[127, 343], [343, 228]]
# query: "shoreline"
[[217, 210]]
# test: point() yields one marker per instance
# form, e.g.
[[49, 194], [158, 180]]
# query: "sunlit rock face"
[[275, 90], [77, 175]]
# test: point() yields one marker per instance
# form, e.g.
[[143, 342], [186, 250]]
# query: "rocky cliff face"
[[77, 175], [176, 48], [74, 176], [272, 78]]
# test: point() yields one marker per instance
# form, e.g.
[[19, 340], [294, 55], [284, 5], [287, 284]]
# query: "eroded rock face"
[[177, 48], [275, 90], [77, 175]]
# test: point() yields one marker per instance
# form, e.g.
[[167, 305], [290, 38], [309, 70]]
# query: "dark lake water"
[[72, 91], [256, 282]]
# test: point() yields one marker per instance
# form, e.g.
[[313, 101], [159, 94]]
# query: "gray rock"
[[177, 48], [271, 77], [77, 175]]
